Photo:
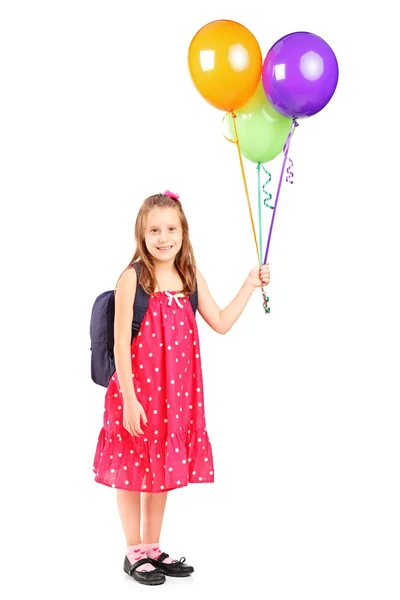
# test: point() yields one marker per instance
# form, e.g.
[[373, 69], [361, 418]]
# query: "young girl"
[[154, 437]]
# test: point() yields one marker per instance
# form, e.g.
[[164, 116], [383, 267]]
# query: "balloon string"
[[245, 183], [285, 152], [259, 211], [268, 196], [289, 177]]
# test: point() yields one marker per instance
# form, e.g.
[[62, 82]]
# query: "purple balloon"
[[300, 74]]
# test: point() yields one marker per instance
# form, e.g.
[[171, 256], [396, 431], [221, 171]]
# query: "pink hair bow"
[[171, 195]]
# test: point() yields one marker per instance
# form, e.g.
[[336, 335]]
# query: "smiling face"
[[163, 234]]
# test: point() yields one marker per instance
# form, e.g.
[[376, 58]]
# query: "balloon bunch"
[[262, 99]]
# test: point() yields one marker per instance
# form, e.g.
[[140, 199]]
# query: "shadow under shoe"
[[175, 569], [154, 577]]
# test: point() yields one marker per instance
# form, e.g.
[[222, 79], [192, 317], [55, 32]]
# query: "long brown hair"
[[184, 261]]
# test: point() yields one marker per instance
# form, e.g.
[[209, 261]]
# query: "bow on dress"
[[174, 297]]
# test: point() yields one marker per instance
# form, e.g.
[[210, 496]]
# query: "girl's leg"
[[129, 512], [153, 513]]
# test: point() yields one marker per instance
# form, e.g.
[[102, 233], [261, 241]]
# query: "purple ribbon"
[[289, 177], [285, 152]]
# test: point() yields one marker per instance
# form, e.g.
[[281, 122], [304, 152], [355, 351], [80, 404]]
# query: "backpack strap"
[[140, 305]]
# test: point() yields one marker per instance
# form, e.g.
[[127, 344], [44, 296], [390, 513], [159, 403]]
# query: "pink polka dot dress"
[[166, 366]]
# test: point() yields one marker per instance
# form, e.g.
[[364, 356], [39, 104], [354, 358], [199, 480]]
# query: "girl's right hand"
[[132, 412]]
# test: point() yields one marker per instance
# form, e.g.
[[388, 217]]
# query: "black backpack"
[[102, 329]]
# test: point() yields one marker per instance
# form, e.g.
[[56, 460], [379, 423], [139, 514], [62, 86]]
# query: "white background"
[[98, 111]]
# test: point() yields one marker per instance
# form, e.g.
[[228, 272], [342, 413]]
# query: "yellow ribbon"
[[236, 141]]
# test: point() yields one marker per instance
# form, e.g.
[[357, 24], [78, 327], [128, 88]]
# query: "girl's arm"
[[124, 299], [222, 320]]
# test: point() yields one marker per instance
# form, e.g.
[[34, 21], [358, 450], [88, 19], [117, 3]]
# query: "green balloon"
[[261, 129]]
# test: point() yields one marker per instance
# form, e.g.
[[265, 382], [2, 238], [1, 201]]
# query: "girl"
[[154, 437]]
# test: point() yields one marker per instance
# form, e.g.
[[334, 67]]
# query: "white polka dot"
[[177, 416], [176, 449], [156, 369], [173, 326], [193, 472], [199, 404], [140, 333], [169, 348], [150, 398], [140, 345], [161, 344], [133, 355], [178, 393], [119, 454], [190, 406], [172, 381], [197, 356], [176, 343], [199, 439], [172, 435], [148, 380], [154, 314], [126, 482], [178, 482], [144, 486], [156, 432], [150, 354], [131, 451], [145, 440], [197, 389], [158, 456], [117, 422], [147, 323], [200, 479], [125, 468], [165, 316], [113, 378], [153, 335], [190, 331], [161, 487], [184, 462], [189, 460], [141, 455], [112, 471], [206, 459], [211, 472], [186, 393], [168, 406], [181, 323], [177, 360], [113, 485], [115, 395], [111, 456], [119, 407], [147, 469], [141, 366], [155, 411], [159, 388], [183, 354], [170, 469], [165, 420], [138, 389], [136, 464], [155, 441]]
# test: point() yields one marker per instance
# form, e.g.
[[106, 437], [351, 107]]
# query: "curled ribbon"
[[268, 196], [289, 177]]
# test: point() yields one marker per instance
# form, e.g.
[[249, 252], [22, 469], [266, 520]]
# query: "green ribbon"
[[267, 199]]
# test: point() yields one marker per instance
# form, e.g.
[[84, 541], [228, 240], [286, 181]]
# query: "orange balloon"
[[225, 63]]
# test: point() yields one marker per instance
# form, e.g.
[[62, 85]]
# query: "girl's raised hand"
[[132, 413], [259, 276]]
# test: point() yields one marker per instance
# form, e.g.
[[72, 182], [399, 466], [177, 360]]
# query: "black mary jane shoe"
[[154, 577], [175, 569]]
